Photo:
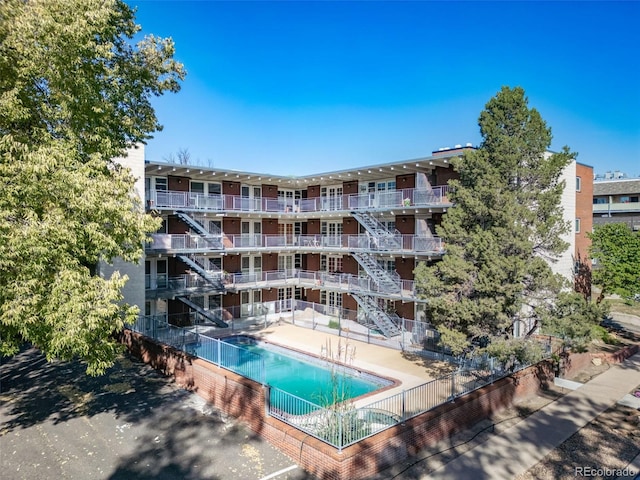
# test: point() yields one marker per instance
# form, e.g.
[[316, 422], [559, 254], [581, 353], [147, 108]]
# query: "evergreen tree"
[[503, 231], [74, 94]]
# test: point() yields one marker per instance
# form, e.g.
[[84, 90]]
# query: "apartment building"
[[617, 200], [583, 225], [233, 244]]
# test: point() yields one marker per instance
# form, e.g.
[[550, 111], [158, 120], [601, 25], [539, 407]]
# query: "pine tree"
[[503, 231]]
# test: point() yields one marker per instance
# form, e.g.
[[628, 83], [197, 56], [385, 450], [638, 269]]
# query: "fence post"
[[491, 368], [453, 385], [267, 399], [340, 438], [403, 405], [218, 357]]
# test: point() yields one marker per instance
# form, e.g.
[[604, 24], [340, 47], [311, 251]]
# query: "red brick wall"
[[313, 191], [269, 263], [350, 226], [406, 181], [350, 187], [443, 175], [245, 399], [575, 362], [405, 267], [406, 224], [269, 191], [176, 226], [406, 309], [269, 294], [584, 212], [313, 227], [178, 184]]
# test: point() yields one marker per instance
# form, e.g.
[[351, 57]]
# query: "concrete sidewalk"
[[517, 449]]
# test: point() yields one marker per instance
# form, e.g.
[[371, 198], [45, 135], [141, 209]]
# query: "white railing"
[[409, 197], [163, 242], [600, 208]]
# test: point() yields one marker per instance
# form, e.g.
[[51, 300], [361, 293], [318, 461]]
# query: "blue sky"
[[301, 87]]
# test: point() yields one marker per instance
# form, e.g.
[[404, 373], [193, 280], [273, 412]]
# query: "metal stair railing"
[[386, 282], [212, 277], [192, 223], [205, 313], [213, 238], [380, 318], [383, 239]]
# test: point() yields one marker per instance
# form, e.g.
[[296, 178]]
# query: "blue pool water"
[[301, 375]]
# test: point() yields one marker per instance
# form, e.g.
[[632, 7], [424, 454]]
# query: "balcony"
[[163, 286], [398, 244], [606, 208], [409, 197], [340, 282]]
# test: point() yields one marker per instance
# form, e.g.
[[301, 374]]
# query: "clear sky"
[[297, 87]]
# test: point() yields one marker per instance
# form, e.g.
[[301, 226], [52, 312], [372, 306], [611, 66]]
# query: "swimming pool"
[[304, 376]]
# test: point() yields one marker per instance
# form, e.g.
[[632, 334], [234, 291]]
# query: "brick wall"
[[245, 399], [575, 362]]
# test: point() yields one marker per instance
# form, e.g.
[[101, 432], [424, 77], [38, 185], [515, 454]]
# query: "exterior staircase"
[[382, 239], [212, 277], [387, 282], [382, 320], [213, 239], [211, 316]]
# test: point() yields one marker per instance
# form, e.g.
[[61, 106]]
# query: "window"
[[577, 225], [599, 201], [160, 183], [578, 184], [197, 187]]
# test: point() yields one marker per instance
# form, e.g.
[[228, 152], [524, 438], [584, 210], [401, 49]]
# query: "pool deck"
[[407, 370]]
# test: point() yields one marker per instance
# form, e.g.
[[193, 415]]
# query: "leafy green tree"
[[615, 249], [75, 92], [504, 230]]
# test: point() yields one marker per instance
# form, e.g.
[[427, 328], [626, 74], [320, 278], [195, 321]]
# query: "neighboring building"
[[233, 244], [618, 201], [583, 225]]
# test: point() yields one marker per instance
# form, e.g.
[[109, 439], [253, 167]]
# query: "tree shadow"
[[433, 368], [136, 422]]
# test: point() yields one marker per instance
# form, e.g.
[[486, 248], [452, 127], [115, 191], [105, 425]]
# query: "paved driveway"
[[132, 423]]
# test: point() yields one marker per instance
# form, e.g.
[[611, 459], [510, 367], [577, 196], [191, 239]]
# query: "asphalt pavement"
[[132, 423]]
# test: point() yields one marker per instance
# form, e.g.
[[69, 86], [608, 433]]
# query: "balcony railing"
[[408, 244], [603, 208], [280, 278], [408, 197], [183, 282], [313, 279]]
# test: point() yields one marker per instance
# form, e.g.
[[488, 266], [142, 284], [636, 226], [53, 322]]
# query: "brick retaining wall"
[[575, 362], [245, 399]]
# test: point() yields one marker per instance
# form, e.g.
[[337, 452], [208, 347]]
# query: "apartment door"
[[251, 234], [250, 300], [250, 198], [331, 234], [251, 267], [331, 198], [155, 270]]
